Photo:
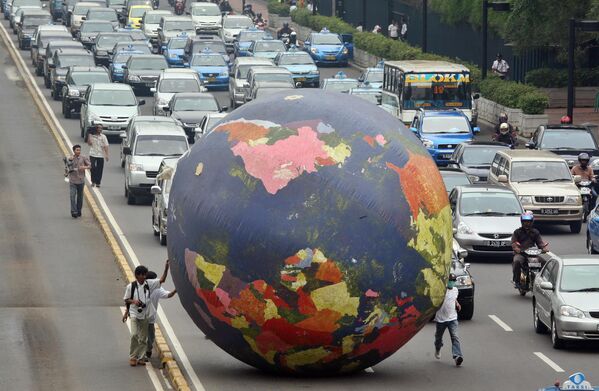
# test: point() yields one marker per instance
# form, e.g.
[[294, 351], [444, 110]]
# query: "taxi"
[[245, 38], [212, 69], [326, 47], [576, 382], [175, 51], [373, 76], [368, 93], [118, 61], [301, 66], [136, 13], [339, 83]]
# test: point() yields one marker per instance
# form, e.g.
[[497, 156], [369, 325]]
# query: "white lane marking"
[[369, 370], [117, 229], [549, 362], [150, 367], [500, 322], [12, 73]]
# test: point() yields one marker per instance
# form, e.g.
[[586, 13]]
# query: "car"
[[367, 93], [140, 121], [475, 157], [119, 6], [232, 26], [104, 44], [135, 15], [90, 29], [327, 48], [103, 14], [142, 71], [130, 45], [150, 22], [67, 11], [543, 183], [567, 141], [207, 124], [592, 237], [206, 17], [170, 83], [188, 108], [30, 20], [441, 131], [56, 9], [172, 26], [245, 38], [137, 36], [464, 281], [262, 75], [78, 14], [161, 191], [147, 147], [174, 52], [111, 105], [576, 381], [212, 69], [453, 177], [339, 83], [200, 43], [118, 61], [11, 7], [373, 76], [16, 18], [63, 59], [42, 36], [302, 68], [238, 79], [76, 83], [48, 57], [262, 89], [484, 218], [566, 299], [268, 48]]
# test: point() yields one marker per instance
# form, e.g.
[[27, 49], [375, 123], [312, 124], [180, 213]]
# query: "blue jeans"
[[452, 326], [76, 190]]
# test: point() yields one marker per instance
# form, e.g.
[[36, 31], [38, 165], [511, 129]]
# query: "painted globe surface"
[[309, 233]]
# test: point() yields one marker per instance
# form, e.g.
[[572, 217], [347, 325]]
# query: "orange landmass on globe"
[[243, 131]]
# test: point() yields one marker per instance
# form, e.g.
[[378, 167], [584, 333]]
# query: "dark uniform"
[[524, 239]]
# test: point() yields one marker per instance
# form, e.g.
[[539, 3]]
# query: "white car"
[[208, 123], [170, 82], [150, 22], [232, 26], [206, 17], [238, 79]]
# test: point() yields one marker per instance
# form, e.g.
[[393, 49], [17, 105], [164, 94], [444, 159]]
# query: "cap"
[[504, 126]]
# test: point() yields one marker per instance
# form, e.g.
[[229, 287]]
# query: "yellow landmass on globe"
[[338, 153], [305, 357], [212, 271], [335, 297]]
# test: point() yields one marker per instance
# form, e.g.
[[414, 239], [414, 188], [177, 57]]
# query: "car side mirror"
[[466, 265], [223, 109], [306, 43], [141, 102], [51, 65], [153, 89], [546, 285], [361, 79], [455, 230], [476, 96], [127, 151], [159, 28], [463, 254], [475, 130], [123, 136], [577, 179], [124, 67], [155, 190], [530, 145], [84, 18], [502, 178]]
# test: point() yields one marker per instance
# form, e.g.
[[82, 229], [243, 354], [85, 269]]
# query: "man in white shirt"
[[447, 318], [393, 30], [500, 67], [155, 297], [404, 30], [98, 151]]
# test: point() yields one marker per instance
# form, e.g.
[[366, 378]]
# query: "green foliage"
[[533, 102], [276, 7], [468, 11], [514, 95], [558, 78]]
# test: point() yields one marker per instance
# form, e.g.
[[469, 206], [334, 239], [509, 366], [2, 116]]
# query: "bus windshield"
[[439, 91]]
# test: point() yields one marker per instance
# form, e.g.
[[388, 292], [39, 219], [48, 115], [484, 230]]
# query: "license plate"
[[330, 58], [498, 243], [446, 155], [534, 265], [114, 127], [211, 79], [549, 211], [150, 84], [300, 79]]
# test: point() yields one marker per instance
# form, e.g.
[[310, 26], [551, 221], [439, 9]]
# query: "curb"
[[166, 356]]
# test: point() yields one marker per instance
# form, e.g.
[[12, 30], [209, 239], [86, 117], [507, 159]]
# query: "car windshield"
[[341, 86], [216, 61], [83, 60], [261, 92], [367, 96], [163, 145], [567, 139], [81, 10], [177, 43], [179, 25], [479, 156], [148, 64], [178, 85], [269, 46], [245, 36], [108, 41], [138, 12], [244, 69], [272, 77], [20, 3], [117, 2], [296, 59], [139, 47], [451, 180], [540, 171], [34, 21], [102, 14], [374, 77], [216, 47], [137, 35], [580, 278], [113, 98], [445, 125], [326, 39], [122, 57], [96, 27], [489, 204], [153, 18], [86, 78], [205, 11], [238, 23], [196, 104]]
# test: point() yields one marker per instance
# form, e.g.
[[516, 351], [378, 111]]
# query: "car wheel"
[[66, 110], [131, 200], [576, 227], [556, 341], [539, 326], [233, 104], [38, 71], [590, 247], [466, 312], [161, 236], [55, 93], [154, 230]]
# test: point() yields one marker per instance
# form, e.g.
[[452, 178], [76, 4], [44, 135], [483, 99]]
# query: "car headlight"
[[93, 117], [224, 73], [526, 200], [573, 200], [345, 51], [464, 280], [117, 70], [135, 167], [595, 163], [101, 52], [74, 93], [473, 178], [134, 78], [60, 78], [427, 143], [314, 50], [315, 72], [161, 102], [173, 55], [464, 229], [571, 312]]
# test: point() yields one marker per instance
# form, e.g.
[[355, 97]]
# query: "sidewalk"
[[257, 6], [582, 115]]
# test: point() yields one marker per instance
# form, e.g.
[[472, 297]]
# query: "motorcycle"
[[285, 39], [586, 193], [530, 269], [179, 7]]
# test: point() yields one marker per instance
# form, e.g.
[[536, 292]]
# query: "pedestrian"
[[447, 318], [137, 299], [393, 30], [377, 29], [77, 164], [500, 67], [98, 152], [360, 28], [404, 30], [155, 297]]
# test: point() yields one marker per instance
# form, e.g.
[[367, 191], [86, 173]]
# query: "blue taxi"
[[175, 52], [302, 67], [118, 61], [576, 382], [373, 76], [212, 69], [245, 39], [326, 47]]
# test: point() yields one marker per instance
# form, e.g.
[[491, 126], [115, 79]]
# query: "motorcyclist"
[[584, 170], [259, 18], [503, 120], [284, 30], [524, 238], [248, 10], [225, 6], [504, 135]]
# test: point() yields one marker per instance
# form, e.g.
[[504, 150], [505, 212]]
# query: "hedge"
[[514, 95], [276, 7], [558, 78]]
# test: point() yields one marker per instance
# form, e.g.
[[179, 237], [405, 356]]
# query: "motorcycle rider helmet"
[[527, 216], [503, 118], [584, 157], [504, 128], [566, 120], [285, 25]]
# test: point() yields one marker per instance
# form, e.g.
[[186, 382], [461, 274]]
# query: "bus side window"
[[389, 100]]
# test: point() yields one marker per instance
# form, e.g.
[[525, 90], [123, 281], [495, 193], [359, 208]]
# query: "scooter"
[[179, 7], [530, 269]]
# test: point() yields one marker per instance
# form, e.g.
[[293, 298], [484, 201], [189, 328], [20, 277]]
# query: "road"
[[494, 358]]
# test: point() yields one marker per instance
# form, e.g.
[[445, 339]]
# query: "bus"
[[436, 85]]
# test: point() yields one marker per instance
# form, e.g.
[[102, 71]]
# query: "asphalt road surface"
[[495, 358]]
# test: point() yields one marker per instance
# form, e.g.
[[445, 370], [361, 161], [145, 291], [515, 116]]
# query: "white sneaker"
[[437, 354]]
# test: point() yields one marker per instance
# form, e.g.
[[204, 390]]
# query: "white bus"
[[437, 85]]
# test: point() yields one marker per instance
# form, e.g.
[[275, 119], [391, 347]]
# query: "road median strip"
[[174, 373]]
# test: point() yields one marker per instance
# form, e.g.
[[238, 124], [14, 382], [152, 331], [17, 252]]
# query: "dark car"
[[63, 59], [39, 43], [142, 71], [189, 108], [567, 141], [104, 44], [464, 281], [28, 24], [48, 57], [90, 29], [475, 157], [76, 83], [56, 9], [453, 177]]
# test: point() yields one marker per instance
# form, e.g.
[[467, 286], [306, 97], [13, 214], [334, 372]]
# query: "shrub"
[[558, 78], [275, 7], [514, 95], [534, 102]]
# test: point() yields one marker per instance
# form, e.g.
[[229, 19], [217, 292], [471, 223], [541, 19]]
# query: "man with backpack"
[[155, 297]]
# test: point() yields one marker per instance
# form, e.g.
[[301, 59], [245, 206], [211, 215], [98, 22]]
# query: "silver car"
[[161, 191], [238, 79], [566, 299], [484, 218], [232, 26], [171, 82]]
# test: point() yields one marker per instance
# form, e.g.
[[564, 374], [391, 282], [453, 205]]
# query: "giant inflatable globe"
[[309, 233]]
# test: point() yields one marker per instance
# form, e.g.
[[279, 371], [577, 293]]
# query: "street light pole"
[[314, 2], [572, 41], [424, 24], [483, 62]]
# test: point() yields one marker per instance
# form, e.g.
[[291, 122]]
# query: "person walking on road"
[[137, 298], [98, 152], [155, 297], [76, 173], [393, 30], [500, 67], [447, 318]]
